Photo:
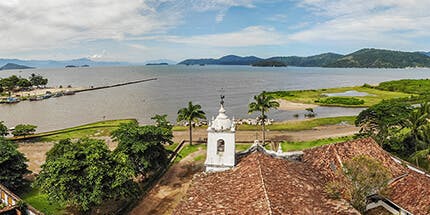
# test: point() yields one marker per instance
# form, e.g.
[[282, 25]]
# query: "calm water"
[[176, 85]]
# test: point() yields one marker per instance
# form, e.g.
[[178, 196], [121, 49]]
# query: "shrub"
[[341, 101]]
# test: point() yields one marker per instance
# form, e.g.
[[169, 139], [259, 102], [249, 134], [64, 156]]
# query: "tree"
[[382, 119], [8, 84], [24, 130], [38, 80], [144, 146], [23, 83], [191, 114], [263, 103], [367, 176], [83, 174], [13, 165], [3, 129]]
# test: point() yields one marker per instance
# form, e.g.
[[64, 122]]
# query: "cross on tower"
[[222, 96]]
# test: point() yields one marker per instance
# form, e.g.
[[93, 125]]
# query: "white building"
[[221, 146]]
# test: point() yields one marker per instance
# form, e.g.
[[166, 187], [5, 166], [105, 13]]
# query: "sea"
[[178, 84]]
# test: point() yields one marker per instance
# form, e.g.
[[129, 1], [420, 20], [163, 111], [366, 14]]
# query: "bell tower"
[[221, 146]]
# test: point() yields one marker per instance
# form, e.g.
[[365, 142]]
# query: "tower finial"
[[222, 97]]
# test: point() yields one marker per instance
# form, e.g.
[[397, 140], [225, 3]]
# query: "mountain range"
[[364, 58]]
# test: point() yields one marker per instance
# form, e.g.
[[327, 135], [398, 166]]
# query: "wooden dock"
[[115, 85]]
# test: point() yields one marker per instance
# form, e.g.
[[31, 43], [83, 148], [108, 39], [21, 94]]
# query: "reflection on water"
[[176, 85]]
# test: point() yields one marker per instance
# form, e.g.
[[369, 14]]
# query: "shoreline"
[[290, 106]]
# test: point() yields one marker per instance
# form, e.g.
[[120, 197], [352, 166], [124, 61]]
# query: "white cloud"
[[29, 25], [250, 36], [383, 23]]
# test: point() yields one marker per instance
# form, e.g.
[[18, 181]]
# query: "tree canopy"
[[3, 129], [367, 176], [144, 146], [84, 173], [38, 80], [12, 165], [379, 120], [24, 130]]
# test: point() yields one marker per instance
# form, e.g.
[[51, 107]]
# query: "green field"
[[421, 86], [317, 96], [299, 125], [97, 129], [298, 146]]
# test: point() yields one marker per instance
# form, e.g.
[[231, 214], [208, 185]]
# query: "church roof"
[[263, 184]]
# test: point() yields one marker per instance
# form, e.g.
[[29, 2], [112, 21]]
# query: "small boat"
[[69, 92], [36, 98], [12, 100], [58, 94]]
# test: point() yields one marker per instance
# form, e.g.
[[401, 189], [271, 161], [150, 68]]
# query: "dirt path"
[[36, 152], [306, 135], [164, 197]]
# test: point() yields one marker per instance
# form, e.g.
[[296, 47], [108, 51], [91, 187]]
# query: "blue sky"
[[140, 30]]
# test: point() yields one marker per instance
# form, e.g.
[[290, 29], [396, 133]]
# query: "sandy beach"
[[287, 105], [42, 91]]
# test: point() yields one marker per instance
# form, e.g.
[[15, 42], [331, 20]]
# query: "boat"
[[12, 100], [58, 94], [69, 92]]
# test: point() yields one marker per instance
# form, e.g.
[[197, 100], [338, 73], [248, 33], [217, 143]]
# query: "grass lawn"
[[298, 146], [300, 125], [41, 203], [312, 96], [97, 129]]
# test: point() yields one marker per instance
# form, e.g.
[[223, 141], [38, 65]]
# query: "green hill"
[[379, 58], [9, 66], [311, 61]]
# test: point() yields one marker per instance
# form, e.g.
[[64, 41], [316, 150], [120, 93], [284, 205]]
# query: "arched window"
[[220, 145]]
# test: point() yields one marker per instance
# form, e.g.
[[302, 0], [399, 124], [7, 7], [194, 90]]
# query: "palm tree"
[[191, 114], [415, 122], [263, 103]]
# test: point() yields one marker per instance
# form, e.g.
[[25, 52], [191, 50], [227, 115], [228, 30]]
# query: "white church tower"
[[221, 146]]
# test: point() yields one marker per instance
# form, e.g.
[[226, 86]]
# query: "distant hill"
[[425, 53], [226, 60], [311, 61], [380, 58], [62, 63], [157, 64], [170, 62], [9, 66], [269, 63]]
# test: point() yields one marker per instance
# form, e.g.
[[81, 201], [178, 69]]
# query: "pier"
[[115, 85]]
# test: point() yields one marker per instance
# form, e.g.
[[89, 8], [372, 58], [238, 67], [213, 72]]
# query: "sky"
[[141, 30]]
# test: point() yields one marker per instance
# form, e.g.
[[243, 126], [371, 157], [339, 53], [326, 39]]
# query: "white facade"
[[221, 146]]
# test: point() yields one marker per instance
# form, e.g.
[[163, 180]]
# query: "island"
[[157, 64], [10, 66], [269, 63]]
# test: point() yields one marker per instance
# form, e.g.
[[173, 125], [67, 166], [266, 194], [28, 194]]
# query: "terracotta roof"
[[261, 184], [325, 159], [412, 192]]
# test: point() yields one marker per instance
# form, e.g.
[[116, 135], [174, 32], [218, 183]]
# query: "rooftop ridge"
[[264, 188]]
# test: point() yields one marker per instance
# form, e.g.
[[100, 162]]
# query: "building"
[[221, 145], [267, 182], [12, 203]]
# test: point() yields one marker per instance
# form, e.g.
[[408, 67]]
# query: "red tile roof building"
[[262, 183]]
